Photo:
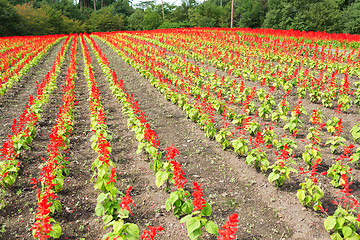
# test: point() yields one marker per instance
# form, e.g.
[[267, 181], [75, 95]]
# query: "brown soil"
[[266, 212]]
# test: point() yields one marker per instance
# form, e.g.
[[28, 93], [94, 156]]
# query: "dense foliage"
[[19, 17]]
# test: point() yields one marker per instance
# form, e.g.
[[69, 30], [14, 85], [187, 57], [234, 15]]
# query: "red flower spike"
[[198, 202], [229, 228], [151, 233], [178, 174], [125, 201], [112, 176], [171, 152]]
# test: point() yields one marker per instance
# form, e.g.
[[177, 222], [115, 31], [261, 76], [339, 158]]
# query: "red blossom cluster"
[[127, 200], [171, 152], [151, 233], [57, 146], [199, 201], [347, 201], [314, 174], [229, 228], [179, 179]]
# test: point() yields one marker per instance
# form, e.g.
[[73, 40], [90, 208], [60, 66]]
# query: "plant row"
[[112, 205], [21, 59], [196, 212], [24, 129], [54, 171]]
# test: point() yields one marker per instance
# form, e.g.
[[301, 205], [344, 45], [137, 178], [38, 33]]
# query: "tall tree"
[[162, 7], [232, 14], [10, 20], [251, 13]]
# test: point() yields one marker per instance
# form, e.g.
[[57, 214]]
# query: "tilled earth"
[[231, 186]]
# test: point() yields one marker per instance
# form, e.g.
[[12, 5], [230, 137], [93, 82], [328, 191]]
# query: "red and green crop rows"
[[285, 103]]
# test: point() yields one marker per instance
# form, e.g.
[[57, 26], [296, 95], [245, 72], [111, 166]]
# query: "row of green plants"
[[24, 129], [55, 169], [22, 58], [194, 213], [112, 205]]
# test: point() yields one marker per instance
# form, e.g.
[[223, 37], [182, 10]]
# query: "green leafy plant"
[[345, 221], [332, 123], [253, 127], [336, 142], [258, 158], [355, 132], [310, 194], [344, 102], [240, 145]]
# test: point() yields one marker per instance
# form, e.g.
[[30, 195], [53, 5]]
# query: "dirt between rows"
[[265, 212]]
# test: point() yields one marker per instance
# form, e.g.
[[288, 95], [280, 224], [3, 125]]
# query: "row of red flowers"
[[54, 171], [170, 170], [21, 56], [24, 129]]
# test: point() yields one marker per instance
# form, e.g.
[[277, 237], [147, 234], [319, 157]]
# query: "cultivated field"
[[180, 133]]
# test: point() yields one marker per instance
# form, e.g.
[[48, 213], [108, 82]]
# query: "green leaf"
[[133, 231], [273, 177], [167, 205], [340, 221], [336, 236], [99, 210], [161, 177], [192, 224], [195, 234], [206, 211], [184, 219], [101, 197], [118, 226], [347, 231], [212, 228], [56, 231], [300, 195], [100, 184], [107, 219], [329, 223], [187, 207], [173, 197], [56, 206]]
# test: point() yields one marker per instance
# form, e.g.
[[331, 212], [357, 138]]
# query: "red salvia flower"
[[338, 128], [125, 201], [151, 233], [171, 152], [112, 176], [229, 228], [178, 174], [198, 202]]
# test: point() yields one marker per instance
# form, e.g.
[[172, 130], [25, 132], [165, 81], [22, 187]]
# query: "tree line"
[[40, 17]]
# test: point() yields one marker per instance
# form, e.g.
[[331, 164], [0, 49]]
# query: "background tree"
[[105, 20], [351, 18], [123, 8], [251, 13], [135, 20], [206, 15], [64, 16], [35, 21], [152, 18], [9, 19]]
